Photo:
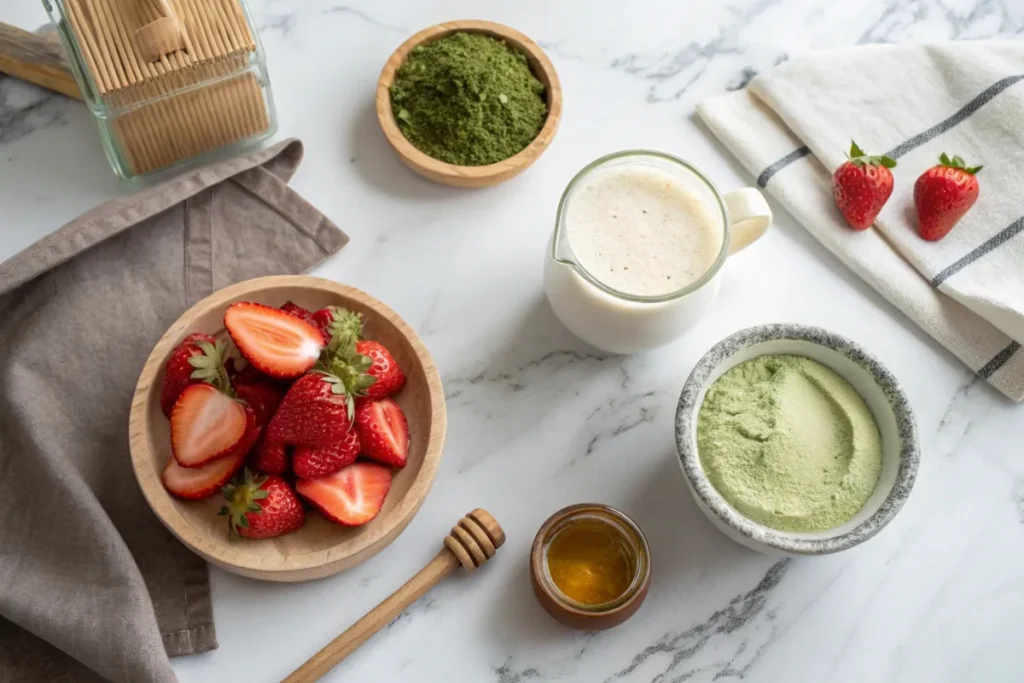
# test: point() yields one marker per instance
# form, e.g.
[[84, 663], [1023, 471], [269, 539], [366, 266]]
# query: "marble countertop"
[[538, 421]]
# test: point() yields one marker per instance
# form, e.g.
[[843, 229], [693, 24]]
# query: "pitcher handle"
[[749, 216]]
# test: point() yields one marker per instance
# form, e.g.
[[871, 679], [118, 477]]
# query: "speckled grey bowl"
[[881, 392]]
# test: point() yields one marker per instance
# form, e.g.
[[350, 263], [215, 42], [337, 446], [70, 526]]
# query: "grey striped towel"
[[792, 126]]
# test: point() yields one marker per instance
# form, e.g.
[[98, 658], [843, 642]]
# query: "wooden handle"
[[36, 59], [379, 617], [472, 541]]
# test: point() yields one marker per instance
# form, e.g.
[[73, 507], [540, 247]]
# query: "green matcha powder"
[[468, 99], [789, 443]]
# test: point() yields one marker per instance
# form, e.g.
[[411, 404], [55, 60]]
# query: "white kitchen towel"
[[792, 126]]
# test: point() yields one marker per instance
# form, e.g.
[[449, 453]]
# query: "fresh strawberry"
[[198, 358], [261, 507], [351, 496], [194, 483], [297, 310], [263, 397], [316, 411], [207, 424], [338, 323], [942, 195], [293, 308], [390, 378], [861, 186], [310, 463], [248, 374], [270, 457], [383, 431], [277, 343]]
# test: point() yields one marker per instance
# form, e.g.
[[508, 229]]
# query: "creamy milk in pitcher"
[[638, 245]]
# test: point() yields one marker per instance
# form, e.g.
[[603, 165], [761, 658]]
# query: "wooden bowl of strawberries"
[[287, 428]]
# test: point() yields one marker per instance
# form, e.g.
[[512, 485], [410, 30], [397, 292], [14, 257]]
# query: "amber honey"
[[591, 562]]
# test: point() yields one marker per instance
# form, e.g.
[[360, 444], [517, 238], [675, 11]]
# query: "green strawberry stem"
[[859, 157], [242, 494], [209, 367], [348, 377], [958, 162]]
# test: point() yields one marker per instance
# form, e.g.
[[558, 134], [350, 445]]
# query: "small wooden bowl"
[[565, 609], [320, 548], [470, 176]]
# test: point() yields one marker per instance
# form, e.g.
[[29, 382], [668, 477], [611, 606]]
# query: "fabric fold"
[[792, 125], [91, 583]]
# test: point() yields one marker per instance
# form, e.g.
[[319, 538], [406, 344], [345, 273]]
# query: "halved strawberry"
[[383, 431], [261, 507], [270, 457], [310, 463], [207, 424], [315, 412], [351, 496], [276, 343], [390, 378], [195, 483], [198, 358]]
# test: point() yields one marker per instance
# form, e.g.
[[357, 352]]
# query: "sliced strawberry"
[[263, 397], [390, 378], [207, 424], [383, 431], [277, 343], [270, 457], [311, 463], [195, 483], [352, 496], [315, 412], [262, 507], [198, 358]]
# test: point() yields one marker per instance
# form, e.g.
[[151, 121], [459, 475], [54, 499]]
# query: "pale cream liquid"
[[640, 230]]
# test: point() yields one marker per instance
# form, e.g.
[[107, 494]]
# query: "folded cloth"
[[792, 125], [92, 586]]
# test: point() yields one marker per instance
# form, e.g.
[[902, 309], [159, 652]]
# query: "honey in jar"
[[590, 561]]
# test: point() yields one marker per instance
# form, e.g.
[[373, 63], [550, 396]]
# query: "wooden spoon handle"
[[379, 617], [36, 59]]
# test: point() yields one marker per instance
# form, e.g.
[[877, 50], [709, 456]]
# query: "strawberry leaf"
[[855, 151], [887, 162], [944, 160], [973, 169]]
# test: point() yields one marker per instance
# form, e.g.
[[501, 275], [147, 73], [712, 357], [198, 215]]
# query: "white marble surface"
[[537, 421]]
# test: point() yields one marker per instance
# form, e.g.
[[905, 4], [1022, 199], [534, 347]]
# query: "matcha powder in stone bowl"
[[468, 99]]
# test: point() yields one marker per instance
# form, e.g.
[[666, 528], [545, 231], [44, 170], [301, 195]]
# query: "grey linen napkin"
[[92, 587]]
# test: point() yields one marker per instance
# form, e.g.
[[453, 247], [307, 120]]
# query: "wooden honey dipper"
[[472, 541]]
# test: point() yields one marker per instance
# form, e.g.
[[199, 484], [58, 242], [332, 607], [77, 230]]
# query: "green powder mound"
[[468, 99], [789, 443]]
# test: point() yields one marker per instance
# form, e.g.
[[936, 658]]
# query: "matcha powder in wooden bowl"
[[468, 99]]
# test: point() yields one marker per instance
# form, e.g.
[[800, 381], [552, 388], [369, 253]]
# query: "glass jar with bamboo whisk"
[[170, 82]]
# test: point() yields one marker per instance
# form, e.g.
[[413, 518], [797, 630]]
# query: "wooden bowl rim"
[[522, 158], [301, 565]]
